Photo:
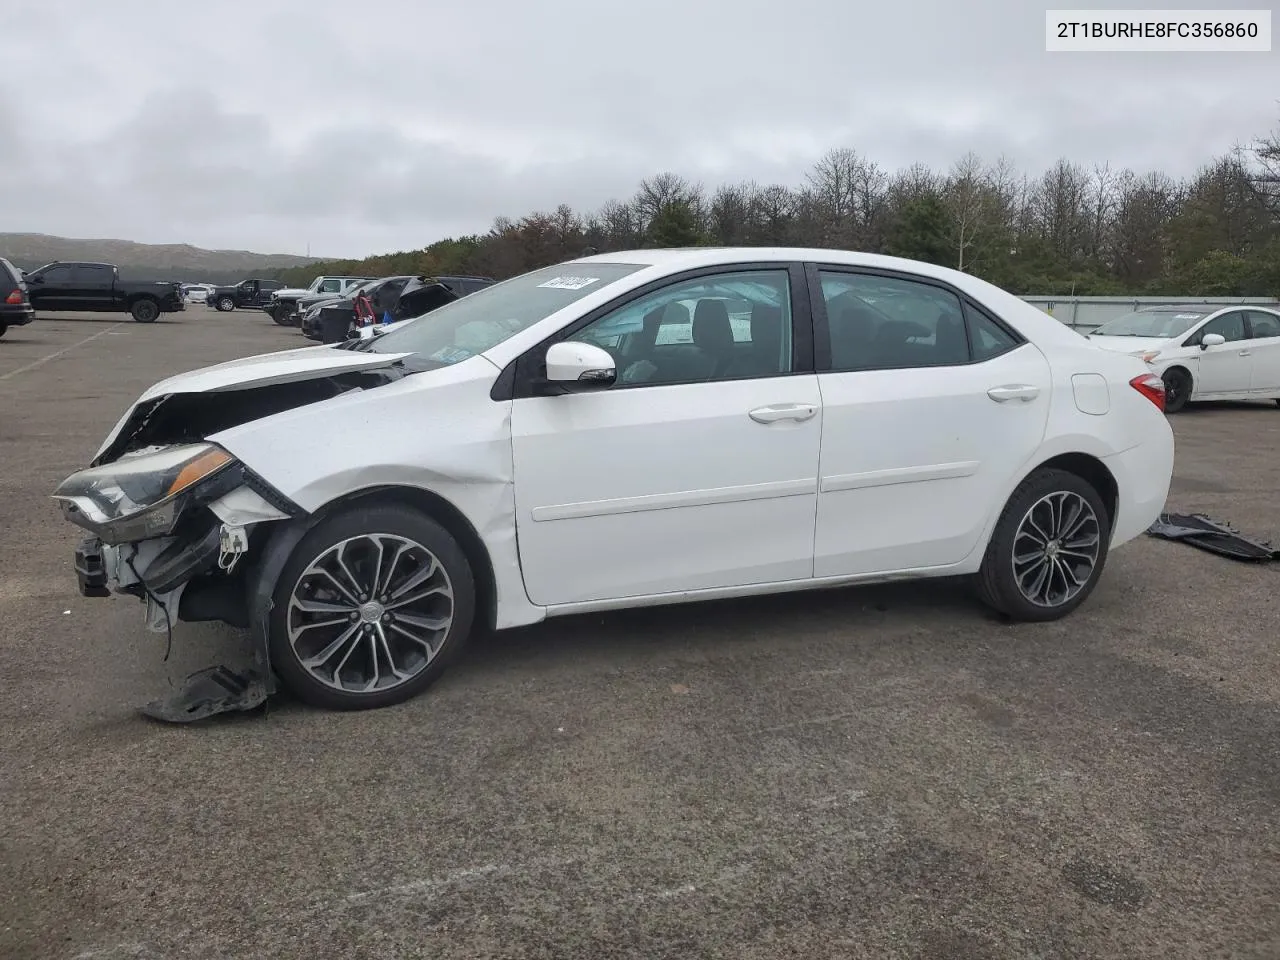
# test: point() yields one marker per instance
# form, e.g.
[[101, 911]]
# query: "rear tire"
[[1177, 389], [145, 311], [352, 544], [1048, 549], [4, 328]]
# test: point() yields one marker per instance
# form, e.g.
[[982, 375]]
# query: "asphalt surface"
[[877, 772]]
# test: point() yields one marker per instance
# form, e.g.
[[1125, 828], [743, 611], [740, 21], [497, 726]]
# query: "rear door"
[[93, 286], [929, 404], [1264, 341]]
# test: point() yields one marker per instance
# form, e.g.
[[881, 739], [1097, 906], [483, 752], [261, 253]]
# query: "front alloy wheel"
[[368, 607]]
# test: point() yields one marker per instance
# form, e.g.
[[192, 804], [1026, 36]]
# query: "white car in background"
[[547, 446], [1201, 352], [196, 292]]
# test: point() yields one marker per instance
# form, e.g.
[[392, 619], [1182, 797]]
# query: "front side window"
[[1230, 326], [885, 323], [330, 286], [728, 326]]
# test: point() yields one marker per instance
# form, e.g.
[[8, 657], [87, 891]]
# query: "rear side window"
[[987, 339], [887, 323], [1263, 325]]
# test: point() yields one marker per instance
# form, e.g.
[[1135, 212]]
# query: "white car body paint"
[[1246, 369], [669, 493]]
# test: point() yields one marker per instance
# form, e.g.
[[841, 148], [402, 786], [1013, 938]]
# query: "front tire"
[[281, 316], [1177, 389], [1048, 548], [225, 304], [145, 311], [371, 607]]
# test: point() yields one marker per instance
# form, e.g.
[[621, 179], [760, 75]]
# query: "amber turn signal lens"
[[198, 469]]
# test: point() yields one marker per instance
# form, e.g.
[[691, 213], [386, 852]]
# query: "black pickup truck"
[[246, 293], [97, 288]]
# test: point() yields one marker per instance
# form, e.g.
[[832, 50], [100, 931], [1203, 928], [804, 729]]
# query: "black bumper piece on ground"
[[90, 571]]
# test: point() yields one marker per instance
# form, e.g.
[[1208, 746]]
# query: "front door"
[[1226, 367], [697, 469], [1264, 342], [928, 407], [53, 289]]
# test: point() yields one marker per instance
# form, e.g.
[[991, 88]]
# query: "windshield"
[[476, 323], [1150, 323]]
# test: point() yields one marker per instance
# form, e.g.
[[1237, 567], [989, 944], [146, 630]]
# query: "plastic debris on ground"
[[1213, 536]]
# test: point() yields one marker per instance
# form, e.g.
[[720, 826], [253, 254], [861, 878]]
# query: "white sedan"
[[1201, 352], [622, 430]]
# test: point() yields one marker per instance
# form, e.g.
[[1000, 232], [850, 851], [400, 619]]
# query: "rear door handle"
[[783, 411], [1244, 353], [1025, 392]]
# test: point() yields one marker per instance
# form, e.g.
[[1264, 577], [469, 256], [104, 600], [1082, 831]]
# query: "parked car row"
[[388, 299]]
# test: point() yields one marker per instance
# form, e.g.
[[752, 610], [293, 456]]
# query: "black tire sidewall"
[[375, 518], [225, 304], [145, 311], [996, 582], [4, 328], [1184, 380]]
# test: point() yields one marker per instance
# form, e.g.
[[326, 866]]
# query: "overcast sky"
[[383, 125]]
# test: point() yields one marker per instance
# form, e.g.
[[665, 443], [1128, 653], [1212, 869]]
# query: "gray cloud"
[[371, 127]]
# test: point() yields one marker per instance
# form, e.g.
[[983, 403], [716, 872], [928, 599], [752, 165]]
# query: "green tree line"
[[1069, 230]]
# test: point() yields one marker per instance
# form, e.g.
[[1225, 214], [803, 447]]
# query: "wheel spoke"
[[351, 597], [414, 598], [416, 580], [325, 655], [317, 606]]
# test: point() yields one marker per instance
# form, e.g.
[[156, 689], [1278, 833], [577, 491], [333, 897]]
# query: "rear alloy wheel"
[[1177, 389], [1048, 548], [370, 608], [145, 311]]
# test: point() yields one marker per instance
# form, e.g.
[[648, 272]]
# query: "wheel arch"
[[1091, 470], [444, 513]]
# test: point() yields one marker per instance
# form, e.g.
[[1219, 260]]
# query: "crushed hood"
[[313, 369], [283, 367]]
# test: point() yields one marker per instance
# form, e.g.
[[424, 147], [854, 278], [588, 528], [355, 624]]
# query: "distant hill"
[[153, 261]]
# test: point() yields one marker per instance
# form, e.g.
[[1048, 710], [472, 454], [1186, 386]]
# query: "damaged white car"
[[621, 430]]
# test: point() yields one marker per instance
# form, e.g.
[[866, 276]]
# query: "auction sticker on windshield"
[[570, 283]]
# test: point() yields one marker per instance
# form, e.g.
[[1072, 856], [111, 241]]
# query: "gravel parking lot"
[[879, 772]]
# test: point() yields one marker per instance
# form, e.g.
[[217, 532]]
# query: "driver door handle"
[[783, 411], [1244, 353], [1025, 392]]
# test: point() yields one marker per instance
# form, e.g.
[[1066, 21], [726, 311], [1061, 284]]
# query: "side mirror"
[[576, 367], [1212, 340]]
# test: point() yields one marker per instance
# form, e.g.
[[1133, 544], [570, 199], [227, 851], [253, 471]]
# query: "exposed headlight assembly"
[[142, 496]]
